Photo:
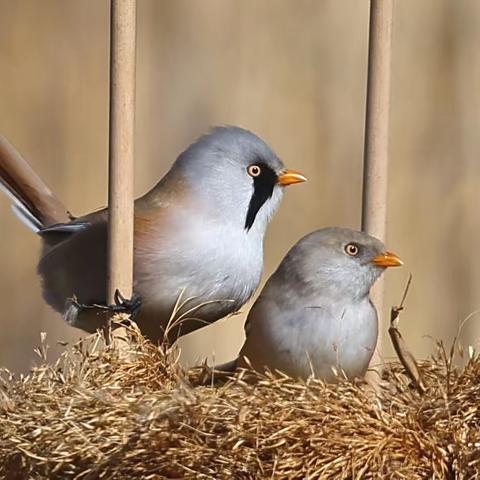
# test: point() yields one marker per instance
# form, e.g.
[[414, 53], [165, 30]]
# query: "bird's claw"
[[130, 306]]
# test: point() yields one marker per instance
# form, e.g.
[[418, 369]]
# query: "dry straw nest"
[[108, 413]]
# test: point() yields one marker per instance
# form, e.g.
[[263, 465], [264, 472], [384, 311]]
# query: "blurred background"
[[294, 72]]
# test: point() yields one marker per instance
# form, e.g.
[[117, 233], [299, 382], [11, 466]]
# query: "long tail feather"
[[26, 217], [20, 210], [33, 202]]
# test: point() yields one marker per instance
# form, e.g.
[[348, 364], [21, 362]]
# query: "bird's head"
[[341, 261], [237, 175]]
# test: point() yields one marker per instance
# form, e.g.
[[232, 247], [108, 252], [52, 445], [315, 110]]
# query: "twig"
[[406, 358]]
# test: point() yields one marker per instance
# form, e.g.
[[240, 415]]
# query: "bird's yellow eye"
[[254, 170], [351, 249]]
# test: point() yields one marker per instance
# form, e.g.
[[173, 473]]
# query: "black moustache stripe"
[[263, 186]]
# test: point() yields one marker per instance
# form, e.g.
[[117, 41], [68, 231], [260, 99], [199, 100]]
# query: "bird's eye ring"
[[352, 249], [254, 170]]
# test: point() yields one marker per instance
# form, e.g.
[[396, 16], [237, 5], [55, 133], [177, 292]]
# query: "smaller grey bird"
[[314, 315]]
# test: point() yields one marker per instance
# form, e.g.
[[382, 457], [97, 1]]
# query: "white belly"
[[214, 270], [313, 341]]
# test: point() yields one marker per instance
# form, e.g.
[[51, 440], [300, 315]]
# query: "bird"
[[198, 235], [314, 317]]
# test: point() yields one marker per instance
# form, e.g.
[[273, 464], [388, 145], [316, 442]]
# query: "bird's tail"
[[227, 368], [218, 373], [221, 373], [32, 201]]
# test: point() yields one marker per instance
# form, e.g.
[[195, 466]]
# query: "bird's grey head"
[[340, 262], [237, 175]]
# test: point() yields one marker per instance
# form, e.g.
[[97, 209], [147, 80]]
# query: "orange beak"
[[289, 177], [387, 259]]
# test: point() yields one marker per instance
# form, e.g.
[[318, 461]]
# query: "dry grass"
[[101, 413]]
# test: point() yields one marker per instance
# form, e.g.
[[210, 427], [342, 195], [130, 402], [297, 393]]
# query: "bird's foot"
[[130, 306]]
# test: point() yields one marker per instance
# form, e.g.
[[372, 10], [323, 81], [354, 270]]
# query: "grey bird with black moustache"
[[314, 316], [199, 232]]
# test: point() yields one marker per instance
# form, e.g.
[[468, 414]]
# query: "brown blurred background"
[[292, 71]]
